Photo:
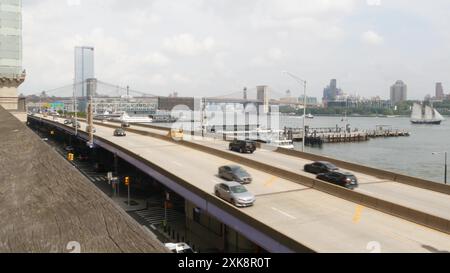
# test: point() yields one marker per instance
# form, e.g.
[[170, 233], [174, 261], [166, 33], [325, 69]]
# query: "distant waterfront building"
[[399, 92], [311, 101], [331, 92], [84, 69], [11, 73], [440, 91]]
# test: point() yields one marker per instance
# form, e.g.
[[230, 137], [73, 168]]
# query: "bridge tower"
[[11, 73]]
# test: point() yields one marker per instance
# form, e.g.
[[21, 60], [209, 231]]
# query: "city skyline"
[[198, 46]]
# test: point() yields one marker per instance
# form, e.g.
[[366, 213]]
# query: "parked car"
[[125, 125], [243, 146], [119, 132], [320, 167], [343, 179], [77, 123], [67, 122], [235, 193], [179, 248], [235, 173]]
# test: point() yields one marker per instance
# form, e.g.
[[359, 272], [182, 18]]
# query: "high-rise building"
[[439, 91], [84, 70], [399, 92], [11, 73], [262, 94], [331, 92]]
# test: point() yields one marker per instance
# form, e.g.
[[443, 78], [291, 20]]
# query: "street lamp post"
[[75, 108], [445, 164], [304, 83]]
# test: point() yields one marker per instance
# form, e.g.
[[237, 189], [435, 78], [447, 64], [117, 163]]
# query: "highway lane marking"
[[358, 212], [177, 163], [284, 213], [269, 182], [282, 192]]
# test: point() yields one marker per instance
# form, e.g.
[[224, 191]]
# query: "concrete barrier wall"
[[400, 178], [404, 212]]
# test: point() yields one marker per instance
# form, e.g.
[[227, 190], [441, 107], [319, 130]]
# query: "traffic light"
[[127, 181], [70, 157]]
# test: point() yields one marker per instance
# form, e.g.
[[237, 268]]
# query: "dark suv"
[[343, 179], [243, 146], [320, 167]]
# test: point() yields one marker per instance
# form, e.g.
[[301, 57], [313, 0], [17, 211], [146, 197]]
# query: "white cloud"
[[157, 79], [156, 58], [181, 78], [372, 38], [275, 54], [187, 44]]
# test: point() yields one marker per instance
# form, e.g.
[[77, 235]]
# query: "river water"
[[411, 155]]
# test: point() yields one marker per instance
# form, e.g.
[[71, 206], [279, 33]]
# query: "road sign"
[[57, 105], [109, 175]]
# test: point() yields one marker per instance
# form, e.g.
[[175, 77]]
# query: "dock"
[[319, 136]]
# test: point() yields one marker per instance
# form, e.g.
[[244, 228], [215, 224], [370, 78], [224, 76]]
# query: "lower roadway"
[[318, 220]]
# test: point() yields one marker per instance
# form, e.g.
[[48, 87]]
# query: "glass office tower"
[[84, 69], [11, 74]]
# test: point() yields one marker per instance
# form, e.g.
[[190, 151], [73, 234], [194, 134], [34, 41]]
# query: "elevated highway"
[[289, 215], [426, 196]]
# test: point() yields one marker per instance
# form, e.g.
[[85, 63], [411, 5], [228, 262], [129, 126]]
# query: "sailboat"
[[425, 115]]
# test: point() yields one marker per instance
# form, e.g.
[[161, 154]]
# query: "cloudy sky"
[[214, 47]]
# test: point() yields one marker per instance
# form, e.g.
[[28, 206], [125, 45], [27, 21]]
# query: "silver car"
[[235, 193], [235, 173]]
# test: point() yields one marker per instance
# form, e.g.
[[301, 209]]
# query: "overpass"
[[294, 212]]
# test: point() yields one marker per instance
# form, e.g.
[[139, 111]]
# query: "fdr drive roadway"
[[293, 212]]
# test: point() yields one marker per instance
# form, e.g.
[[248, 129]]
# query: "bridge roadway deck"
[[428, 201], [315, 219]]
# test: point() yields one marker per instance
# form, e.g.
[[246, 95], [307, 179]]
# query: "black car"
[[320, 167], [243, 146], [343, 179], [119, 132], [235, 173]]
